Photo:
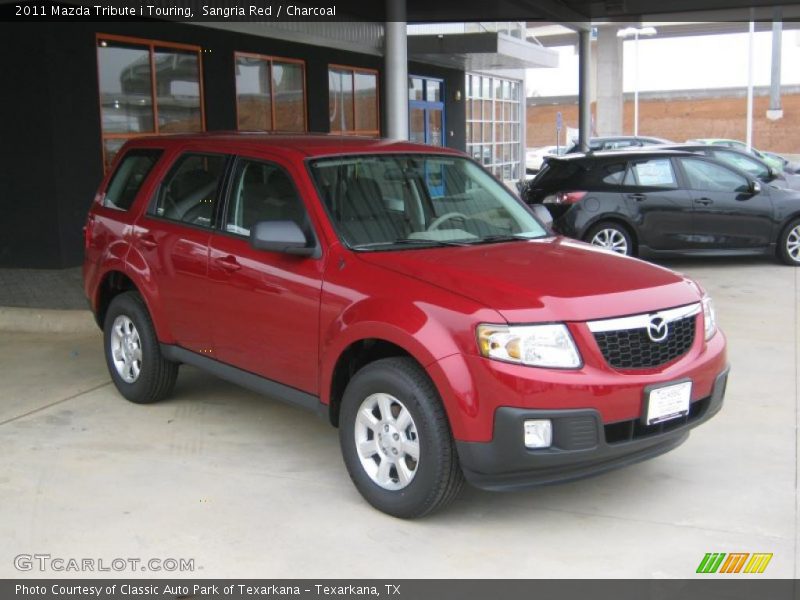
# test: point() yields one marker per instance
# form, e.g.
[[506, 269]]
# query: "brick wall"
[[679, 119]]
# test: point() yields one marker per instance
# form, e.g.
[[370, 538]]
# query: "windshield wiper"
[[509, 237], [410, 242]]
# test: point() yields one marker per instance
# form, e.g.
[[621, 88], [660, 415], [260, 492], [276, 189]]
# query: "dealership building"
[[81, 89]]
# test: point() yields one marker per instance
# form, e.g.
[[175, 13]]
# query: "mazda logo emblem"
[[657, 329]]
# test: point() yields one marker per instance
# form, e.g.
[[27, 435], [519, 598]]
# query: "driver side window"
[[262, 192], [707, 176]]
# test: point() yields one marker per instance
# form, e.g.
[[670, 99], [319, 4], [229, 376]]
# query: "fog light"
[[538, 433]]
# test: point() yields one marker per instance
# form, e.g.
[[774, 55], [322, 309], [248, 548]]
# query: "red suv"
[[405, 295]]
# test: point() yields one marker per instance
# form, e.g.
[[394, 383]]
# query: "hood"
[[553, 279]]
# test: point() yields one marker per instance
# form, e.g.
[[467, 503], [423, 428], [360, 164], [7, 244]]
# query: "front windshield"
[[388, 201]]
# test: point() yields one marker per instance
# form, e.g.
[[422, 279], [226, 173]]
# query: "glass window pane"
[[253, 93], [498, 111], [655, 172], [476, 132], [288, 92], [128, 178], [435, 133], [415, 89], [433, 91], [262, 192], [189, 194], [496, 86], [487, 110], [487, 132], [126, 91], [486, 91], [341, 101], [416, 125], [178, 91], [366, 102]]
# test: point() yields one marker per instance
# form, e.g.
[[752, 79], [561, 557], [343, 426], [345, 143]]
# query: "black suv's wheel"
[[133, 356], [396, 440], [789, 244], [611, 236]]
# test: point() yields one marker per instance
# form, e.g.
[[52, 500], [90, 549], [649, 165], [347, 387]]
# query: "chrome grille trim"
[[641, 321]]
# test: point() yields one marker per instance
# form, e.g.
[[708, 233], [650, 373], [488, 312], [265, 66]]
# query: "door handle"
[[637, 197], [703, 201], [148, 241], [228, 262]]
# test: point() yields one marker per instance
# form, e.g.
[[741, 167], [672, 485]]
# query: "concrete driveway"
[[250, 487]]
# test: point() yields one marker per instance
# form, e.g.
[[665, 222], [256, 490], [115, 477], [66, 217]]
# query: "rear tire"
[[137, 368], [789, 244], [396, 440], [611, 236]]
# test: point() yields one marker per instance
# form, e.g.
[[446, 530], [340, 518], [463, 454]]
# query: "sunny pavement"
[[248, 487]]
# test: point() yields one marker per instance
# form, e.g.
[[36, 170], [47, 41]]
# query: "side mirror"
[[280, 236], [541, 212], [755, 187]]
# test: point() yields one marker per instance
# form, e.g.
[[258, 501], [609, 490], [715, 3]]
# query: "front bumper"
[[582, 444]]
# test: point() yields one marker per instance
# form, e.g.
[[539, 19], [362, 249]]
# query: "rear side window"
[[129, 177], [190, 191], [613, 174], [656, 172]]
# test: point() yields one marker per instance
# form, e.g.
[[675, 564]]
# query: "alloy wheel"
[[126, 349], [793, 244], [611, 239], [387, 441]]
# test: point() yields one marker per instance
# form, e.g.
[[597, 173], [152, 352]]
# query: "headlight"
[[709, 317], [534, 345]]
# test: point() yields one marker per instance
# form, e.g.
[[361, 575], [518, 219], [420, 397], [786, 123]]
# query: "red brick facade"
[[679, 119]]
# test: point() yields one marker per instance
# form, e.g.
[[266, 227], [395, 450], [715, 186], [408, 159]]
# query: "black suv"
[[666, 202]]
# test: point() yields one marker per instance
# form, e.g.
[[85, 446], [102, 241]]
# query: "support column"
[[775, 111], [584, 94], [396, 70], [609, 82]]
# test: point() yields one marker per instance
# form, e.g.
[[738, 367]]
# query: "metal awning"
[[479, 51]]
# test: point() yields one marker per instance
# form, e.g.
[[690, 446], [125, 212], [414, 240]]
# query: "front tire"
[[611, 236], [396, 440], [789, 244], [137, 368]]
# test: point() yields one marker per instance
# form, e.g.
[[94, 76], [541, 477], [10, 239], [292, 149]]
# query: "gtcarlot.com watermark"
[[58, 564]]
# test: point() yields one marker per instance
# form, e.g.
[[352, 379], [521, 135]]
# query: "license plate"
[[668, 402]]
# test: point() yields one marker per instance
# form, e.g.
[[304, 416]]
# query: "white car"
[[535, 156]]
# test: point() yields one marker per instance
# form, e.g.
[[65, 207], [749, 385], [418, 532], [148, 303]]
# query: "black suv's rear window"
[[131, 172]]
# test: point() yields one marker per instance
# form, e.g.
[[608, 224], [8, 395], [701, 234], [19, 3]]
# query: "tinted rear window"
[[129, 176]]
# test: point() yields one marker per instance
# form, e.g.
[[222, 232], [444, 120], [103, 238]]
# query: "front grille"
[[633, 348]]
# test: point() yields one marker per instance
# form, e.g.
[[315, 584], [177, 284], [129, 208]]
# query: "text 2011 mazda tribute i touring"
[[406, 295]]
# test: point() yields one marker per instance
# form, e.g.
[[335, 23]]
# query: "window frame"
[[151, 46], [353, 70], [270, 59]]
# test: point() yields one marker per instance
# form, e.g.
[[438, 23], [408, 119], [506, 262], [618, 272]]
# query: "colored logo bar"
[[734, 562]]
